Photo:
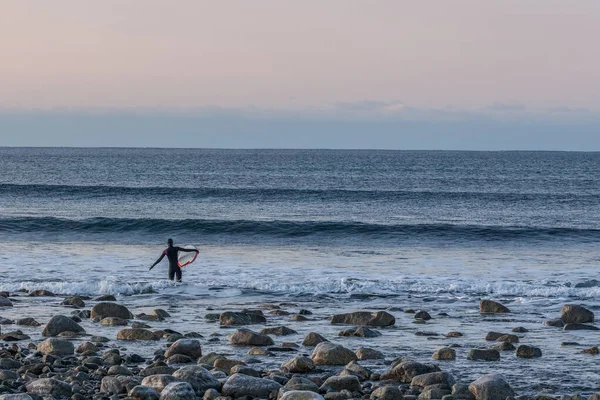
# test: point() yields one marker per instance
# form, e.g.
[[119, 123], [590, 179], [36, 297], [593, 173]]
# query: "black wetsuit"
[[171, 253]]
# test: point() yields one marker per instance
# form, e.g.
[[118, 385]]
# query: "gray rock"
[[211, 394], [301, 383], [131, 334], [229, 318], [5, 302], [580, 327], [387, 393], [524, 351], [49, 386], [106, 297], [160, 381], [355, 369], [111, 384], [364, 318], [298, 364], [187, 347], [508, 338], [57, 347], [431, 393], [103, 310], [198, 377], [360, 332], [301, 395], [246, 337], [16, 396], [405, 371], [339, 383], [502, 346], [483, 355], [279, 330], [491, 387], [238, 385], [244, 369], [27, 322], [59, 324], [365, 353], [178, 391], [445, 353], [140, 392], [119, 370], [74, 301], [433, 378], [6, 375], [558, 323], [424, 315], [313, 339], [492, 307], [113, 321], [87, 347], [327, 353], [575, 314], [461, 391]]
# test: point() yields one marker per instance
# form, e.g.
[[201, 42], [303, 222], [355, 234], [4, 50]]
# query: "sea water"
[[330, 231]]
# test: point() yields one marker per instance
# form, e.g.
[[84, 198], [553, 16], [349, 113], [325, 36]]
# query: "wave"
[[290, 229], [250, 194]]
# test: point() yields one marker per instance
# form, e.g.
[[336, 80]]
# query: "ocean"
[[334, 229]]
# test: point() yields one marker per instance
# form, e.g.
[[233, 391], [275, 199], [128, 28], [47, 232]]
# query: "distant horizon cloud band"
[[391, 74]]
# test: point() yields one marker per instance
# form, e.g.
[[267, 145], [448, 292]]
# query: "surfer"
[[171, 253]]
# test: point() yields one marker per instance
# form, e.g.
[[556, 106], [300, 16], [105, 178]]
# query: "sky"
[[460, 74]]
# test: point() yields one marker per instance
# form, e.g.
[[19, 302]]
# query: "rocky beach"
[[76, 347]]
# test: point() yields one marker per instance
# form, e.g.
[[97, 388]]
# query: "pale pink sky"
[[299, 54]]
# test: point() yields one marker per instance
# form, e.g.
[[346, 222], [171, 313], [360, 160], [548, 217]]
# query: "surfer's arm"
[[157, 261], [187, 250]]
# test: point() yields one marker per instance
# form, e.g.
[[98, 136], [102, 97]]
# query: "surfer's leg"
[[178, 273], [172, 273]]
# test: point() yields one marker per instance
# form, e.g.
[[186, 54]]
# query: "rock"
[[179, 359], [445, 353], [198, 377], [73, 301], [339, 383], [483, 355], [453, 334], [592, 350], [49, 386], [6, 375], [246, 337], [136, 334], [6, 321], [461, 391], [226, 364], [280, 330], [27, 322], [492, 307], [301, 395], [113, 321], [300, 383], [244, 369], [5, 302], [119, 370], [229, 318], [575, 314], [106, 297], [140, 392], [103, 310], [493, 335], [580, 327], [313, 339], [491, 387], [524, 351], [360, 332], [258, 351], [387, 393], [508, 338], [433, 378], [299, 318], [298, 364], [178, 391], [160, 313], [520, 329], [327, 353], [365, 353], [16, 396], [502, 346], [57, 347], [41, 292], [364, 318], [405, 371], [434, 392], [355, 369], [238, 385], [14, 336], [140, 325], [59, 324], [159, 381], [187, 347], [424, 315], [209, 358], [111, 384]]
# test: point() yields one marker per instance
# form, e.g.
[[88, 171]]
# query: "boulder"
[[244, 369], [365, 353], [508, 338], [327, 353], [405, 371], [226, 364], [483, 355], [445, 353], [6, 375], [502, 346], [387, 392], [59, 324], [355, 369], [200, 378], [492, 307], [313, 339], [339, 383], [238, 385], [136, 334], [57, 347], [280, 331], [14, 336], [491, 387], [246, 337], [187, 347], [159, 381], [575, 314], [558, 323], [105, 309], [301, 395], [113, 321], [364, 318], [580, 327], [73, 301], [230, 318], [433, 378], [300, 383], [178, 391], [5, 302], [106, 297], [16, 396], [111, 384], [424, 315], [140, 392], [27, 322], [524, 351], [298, 364], [49, 386], [360, 332], [119, 370]]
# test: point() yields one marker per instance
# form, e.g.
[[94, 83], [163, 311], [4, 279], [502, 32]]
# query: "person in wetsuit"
[[171, 253]]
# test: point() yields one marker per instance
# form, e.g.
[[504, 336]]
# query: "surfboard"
[[186, 257]]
